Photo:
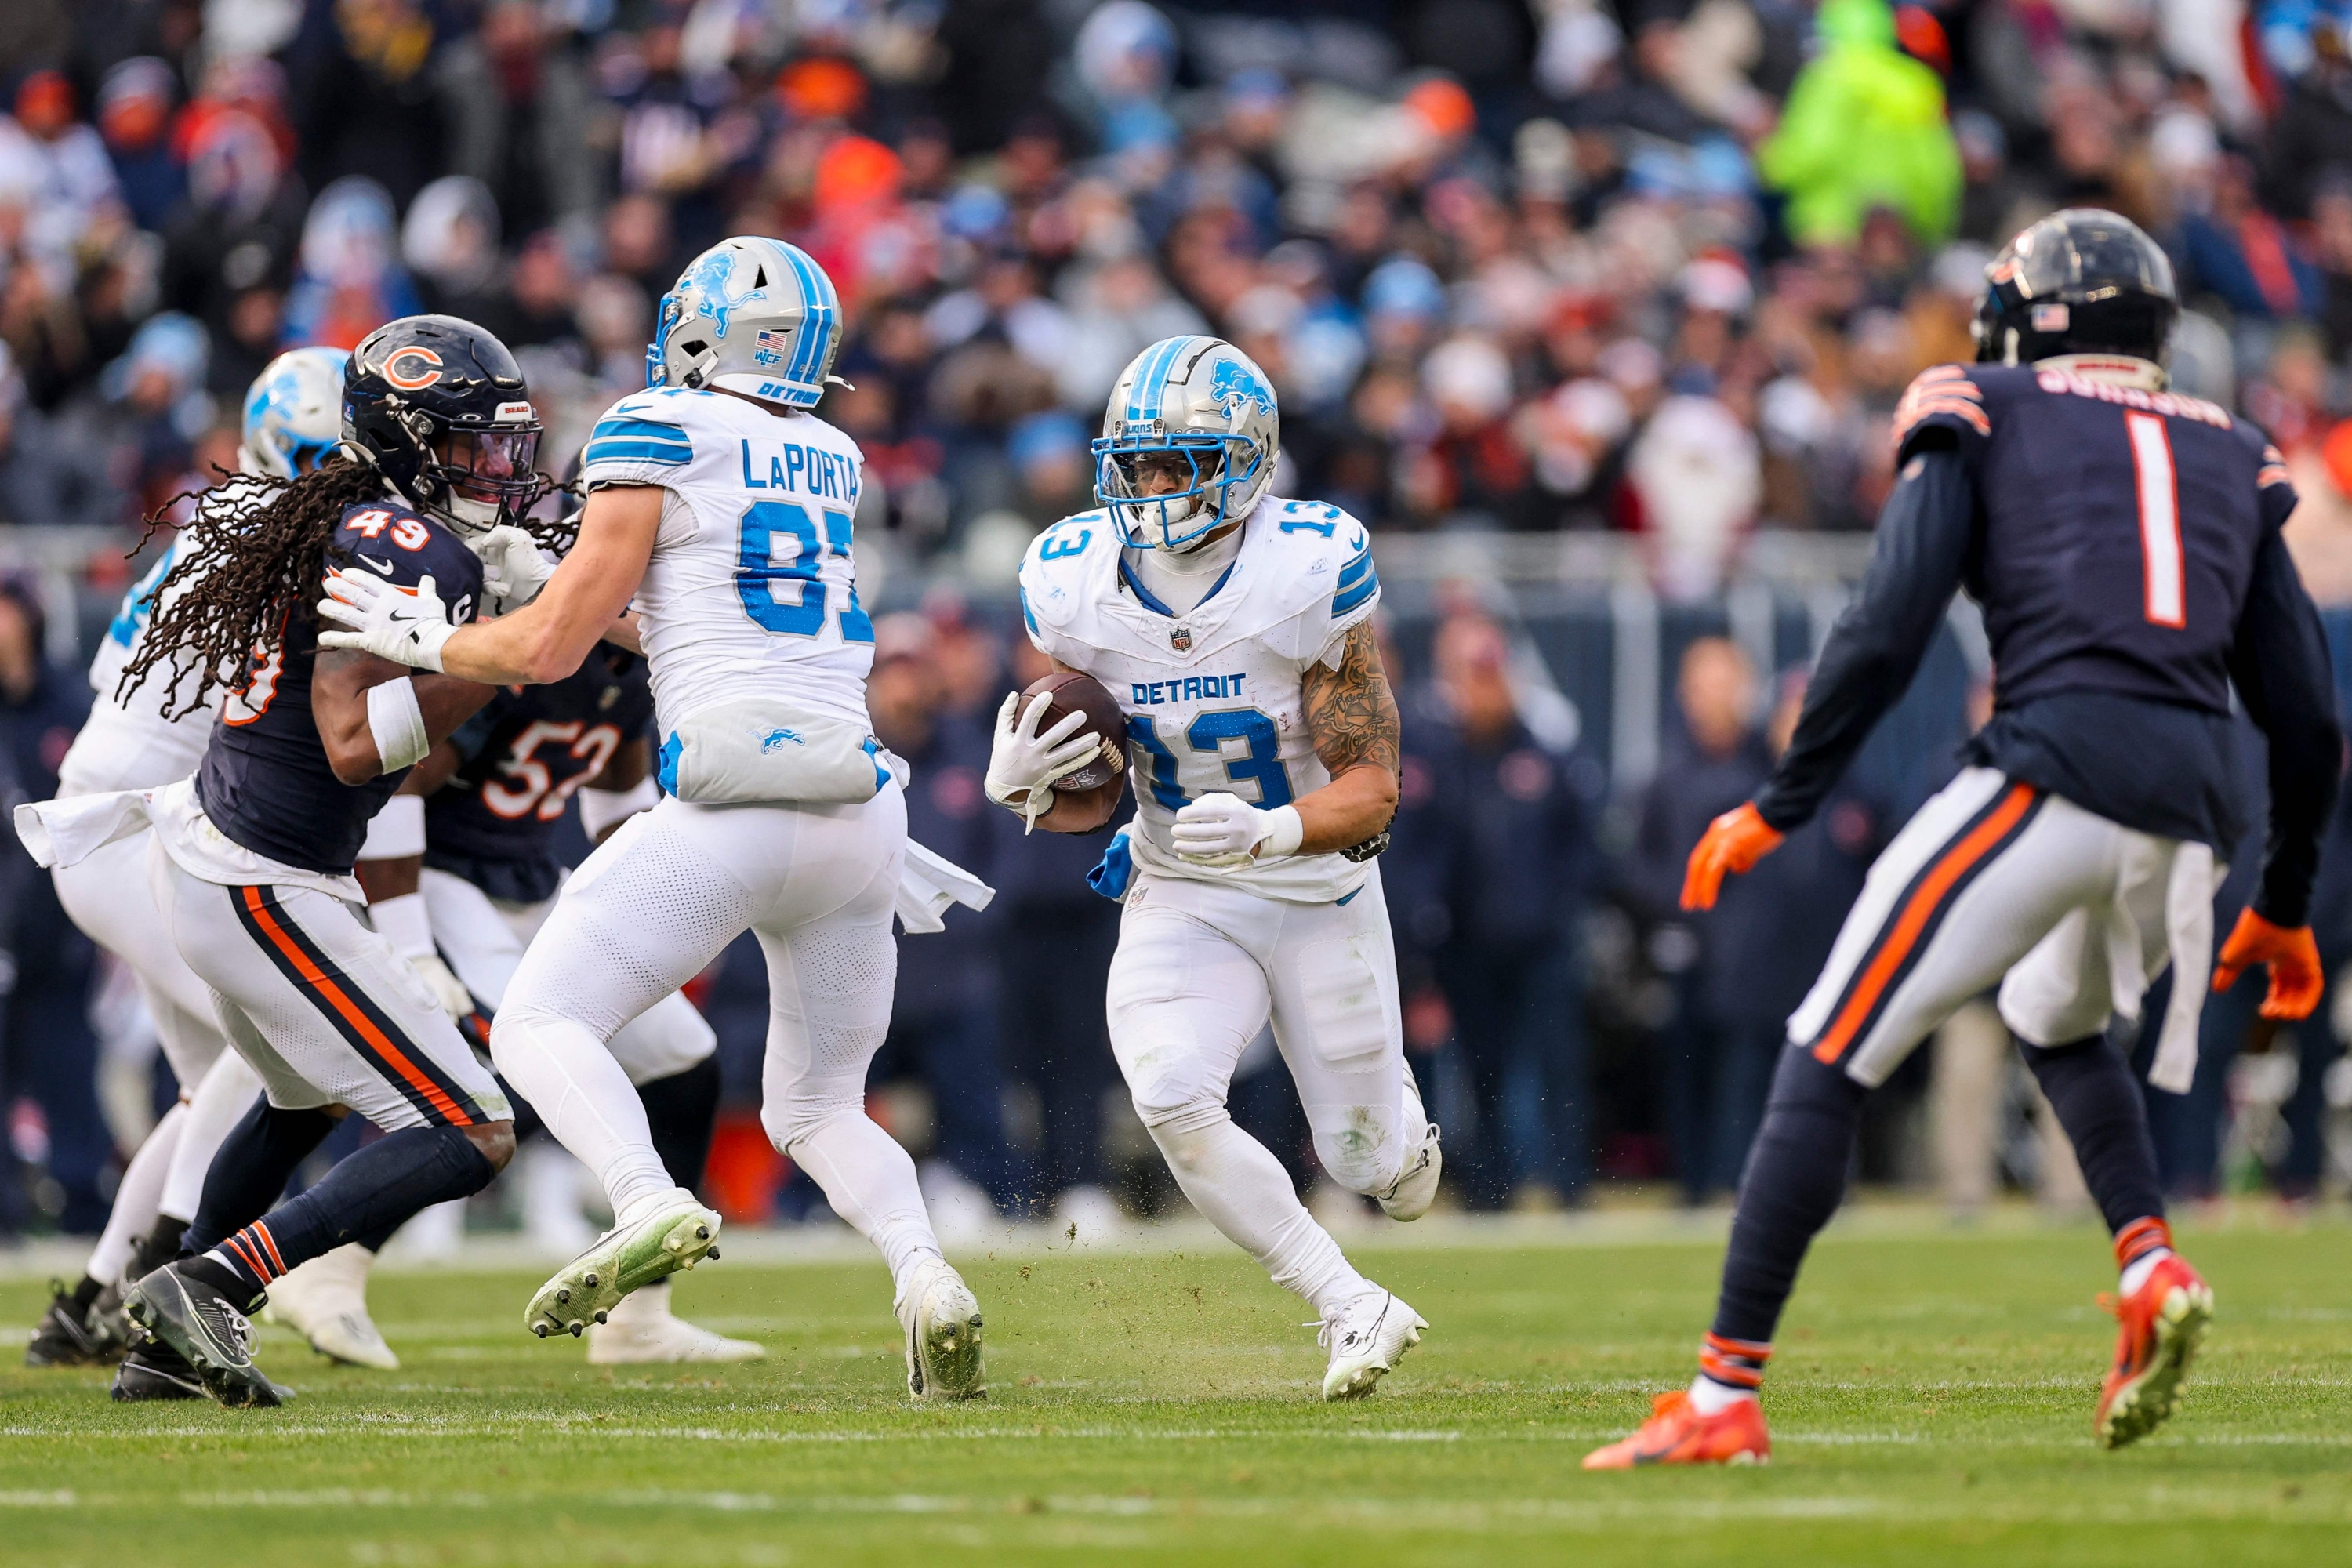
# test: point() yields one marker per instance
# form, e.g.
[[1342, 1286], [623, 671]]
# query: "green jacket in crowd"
[[1863, 127]]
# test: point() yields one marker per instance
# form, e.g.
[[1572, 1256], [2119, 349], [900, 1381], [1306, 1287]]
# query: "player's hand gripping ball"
[[1062, 738]]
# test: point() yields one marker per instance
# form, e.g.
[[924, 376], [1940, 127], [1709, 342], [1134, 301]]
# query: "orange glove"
[[2294, 958], [1733, 842]]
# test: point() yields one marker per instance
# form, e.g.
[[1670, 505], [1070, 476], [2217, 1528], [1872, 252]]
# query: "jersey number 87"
[[757, 574]]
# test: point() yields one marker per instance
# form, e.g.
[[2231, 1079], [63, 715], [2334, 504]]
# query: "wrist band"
[[603, 808], [1283, 831], [398, 725], [397, 833], [402, 921]]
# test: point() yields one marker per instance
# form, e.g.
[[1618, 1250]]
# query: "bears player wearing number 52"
[[1234, 629], [2123, 541]]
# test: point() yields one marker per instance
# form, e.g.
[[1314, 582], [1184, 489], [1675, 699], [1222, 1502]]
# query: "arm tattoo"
[[1351, 713]]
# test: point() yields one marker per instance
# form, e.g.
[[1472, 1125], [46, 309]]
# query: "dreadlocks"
[[259, 557]]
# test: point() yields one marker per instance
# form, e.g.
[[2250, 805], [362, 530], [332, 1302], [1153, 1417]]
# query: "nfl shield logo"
[[1180, 639]]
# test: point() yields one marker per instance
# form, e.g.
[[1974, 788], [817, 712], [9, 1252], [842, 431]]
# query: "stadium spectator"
[[1721, 758], [1514, 866], [47, 1053], [943, 1024]]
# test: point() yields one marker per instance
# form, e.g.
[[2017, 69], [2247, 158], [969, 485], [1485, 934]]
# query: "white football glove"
[[1024, 764], [1223, 830], [404, 625], [513, 571]]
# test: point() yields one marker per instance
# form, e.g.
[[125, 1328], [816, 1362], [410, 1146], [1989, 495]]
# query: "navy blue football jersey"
[[2124, 546], [265, 781], [525, 754], [2118, 526]]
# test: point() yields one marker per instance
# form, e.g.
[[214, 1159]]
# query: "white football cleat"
[[643, 1329], [940, 1318], [676, 1234], [1368, 1338], [1415, 1187], [325, 1302]]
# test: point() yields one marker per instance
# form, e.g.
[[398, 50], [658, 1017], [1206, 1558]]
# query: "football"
[[1075, 693]]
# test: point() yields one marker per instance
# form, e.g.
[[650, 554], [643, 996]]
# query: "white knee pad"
[[1358, 1146]]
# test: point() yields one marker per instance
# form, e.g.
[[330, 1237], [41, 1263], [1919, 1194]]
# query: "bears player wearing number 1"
[[1234, 629], [2124, 543]]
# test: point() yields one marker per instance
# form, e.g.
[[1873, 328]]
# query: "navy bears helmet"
[[440, 406], [2080, 281]]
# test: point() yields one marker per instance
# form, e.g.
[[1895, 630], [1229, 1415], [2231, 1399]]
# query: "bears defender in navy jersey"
[[2124, 544], [266, 781], [253, 858], [2123, 541], [524, 756]]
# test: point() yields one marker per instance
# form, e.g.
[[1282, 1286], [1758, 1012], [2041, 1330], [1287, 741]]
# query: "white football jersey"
[[126, 742], [1213, 696], [752, 590]]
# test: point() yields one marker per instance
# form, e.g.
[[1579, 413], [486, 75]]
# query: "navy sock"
[[679, 1112], [1794, 1180], [250, 1172], [2091, 1090], [367, 1195]]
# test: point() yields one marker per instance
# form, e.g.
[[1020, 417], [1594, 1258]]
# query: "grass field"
[[1931, 1402]]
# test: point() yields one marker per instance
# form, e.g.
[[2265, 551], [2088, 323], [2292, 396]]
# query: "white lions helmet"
[[293, 413], [752, 315], [1203, 408]]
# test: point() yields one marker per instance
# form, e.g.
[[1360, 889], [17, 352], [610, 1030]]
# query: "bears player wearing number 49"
[[1234, 629], [2123, 541]]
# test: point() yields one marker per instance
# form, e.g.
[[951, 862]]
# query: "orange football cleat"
[[1676, 1433], [2161, 1325]]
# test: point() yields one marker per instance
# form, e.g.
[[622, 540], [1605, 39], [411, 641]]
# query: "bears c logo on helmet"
[[414, 380]]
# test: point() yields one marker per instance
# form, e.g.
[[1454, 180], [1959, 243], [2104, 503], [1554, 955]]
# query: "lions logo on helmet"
[[1188, 443], [293, 413], [774, 289]]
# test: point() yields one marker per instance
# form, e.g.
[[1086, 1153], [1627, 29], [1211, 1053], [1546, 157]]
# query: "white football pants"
[[483, 940], [1992, 879], [320, 1006], [107, 894], [660, 899], [1199, 969]]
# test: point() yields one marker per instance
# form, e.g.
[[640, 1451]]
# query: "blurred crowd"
[[1660, 268]]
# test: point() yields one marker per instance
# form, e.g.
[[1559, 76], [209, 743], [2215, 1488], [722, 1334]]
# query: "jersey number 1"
[[2159, 521]]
